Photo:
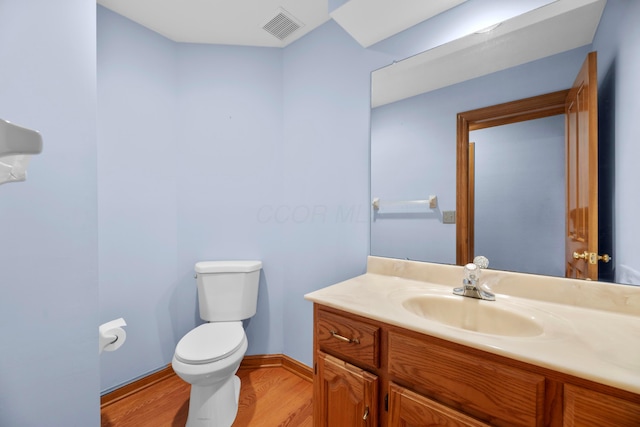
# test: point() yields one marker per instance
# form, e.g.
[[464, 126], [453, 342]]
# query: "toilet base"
[[214, 405]]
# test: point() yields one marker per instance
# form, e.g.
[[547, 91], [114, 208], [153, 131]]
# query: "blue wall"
[[623, 24], [49, 372], [227, 152], [326, 171], [137, 191], [229, 141], [520, 195], [190, 141]]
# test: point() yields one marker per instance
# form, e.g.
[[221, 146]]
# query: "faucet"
[[471, 281]]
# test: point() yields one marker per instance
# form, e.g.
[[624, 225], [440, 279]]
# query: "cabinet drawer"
[[407, 408], [351, 339], [499, 394]]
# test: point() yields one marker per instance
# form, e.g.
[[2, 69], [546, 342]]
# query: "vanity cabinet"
[[369, 373]]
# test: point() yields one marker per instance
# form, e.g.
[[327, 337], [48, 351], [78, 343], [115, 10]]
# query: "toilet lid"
[[210, 342]]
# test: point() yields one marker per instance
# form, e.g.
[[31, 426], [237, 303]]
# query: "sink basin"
[[487, 317]]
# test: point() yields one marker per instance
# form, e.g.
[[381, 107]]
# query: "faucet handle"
[[481, 261], [471, 273]]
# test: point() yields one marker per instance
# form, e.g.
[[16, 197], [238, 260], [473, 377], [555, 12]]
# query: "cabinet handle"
[[345, 339], [366, 414]]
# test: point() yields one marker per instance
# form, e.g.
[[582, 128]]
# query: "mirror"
[[511, 185], [413, 153]]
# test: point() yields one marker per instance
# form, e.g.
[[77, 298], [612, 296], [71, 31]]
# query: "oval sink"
[[475, 315]]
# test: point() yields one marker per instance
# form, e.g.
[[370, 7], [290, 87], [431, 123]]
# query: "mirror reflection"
[[413, 155], [519, 184]]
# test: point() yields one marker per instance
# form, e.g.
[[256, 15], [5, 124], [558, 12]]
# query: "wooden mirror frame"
[[536, 107]]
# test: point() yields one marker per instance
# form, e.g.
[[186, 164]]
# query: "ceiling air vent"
[[282, 25]]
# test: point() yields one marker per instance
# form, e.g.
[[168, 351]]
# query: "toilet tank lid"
[[228, 266]]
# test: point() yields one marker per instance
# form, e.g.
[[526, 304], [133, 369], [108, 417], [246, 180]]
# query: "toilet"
[[209, 356]]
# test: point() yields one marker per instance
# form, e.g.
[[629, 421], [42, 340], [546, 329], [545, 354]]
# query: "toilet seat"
[[210, 342]]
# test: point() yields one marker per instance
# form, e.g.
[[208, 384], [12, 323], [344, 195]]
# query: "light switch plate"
[[448, 217]]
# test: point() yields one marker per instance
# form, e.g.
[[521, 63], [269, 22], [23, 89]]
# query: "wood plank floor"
[[269, 397]]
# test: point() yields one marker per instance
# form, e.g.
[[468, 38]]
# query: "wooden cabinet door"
[[588, 408], [344, 395], [409, 409]]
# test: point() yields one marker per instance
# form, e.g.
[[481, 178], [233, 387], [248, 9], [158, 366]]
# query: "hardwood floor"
[[269, 397], [274, 397]]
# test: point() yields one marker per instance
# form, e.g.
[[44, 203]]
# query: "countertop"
[[595, 336]]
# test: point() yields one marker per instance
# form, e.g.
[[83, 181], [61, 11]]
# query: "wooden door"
[[345, 395], [581, 110]]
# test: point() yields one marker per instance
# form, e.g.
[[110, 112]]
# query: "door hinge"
[[386, 402], [315, 369]]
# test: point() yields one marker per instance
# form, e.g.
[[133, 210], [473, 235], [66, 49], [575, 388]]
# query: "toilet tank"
[[227, 290]]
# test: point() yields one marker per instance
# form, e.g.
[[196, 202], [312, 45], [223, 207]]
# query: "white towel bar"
[[404, 205]]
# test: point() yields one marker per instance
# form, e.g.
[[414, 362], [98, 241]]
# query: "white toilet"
[[209, 356]]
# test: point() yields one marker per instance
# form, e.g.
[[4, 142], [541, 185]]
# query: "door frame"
[[536, 107]]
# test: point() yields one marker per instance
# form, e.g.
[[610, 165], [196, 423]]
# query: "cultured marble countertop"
[[591, 329]]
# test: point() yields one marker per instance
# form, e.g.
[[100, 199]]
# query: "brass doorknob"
[[583, 255], [592, 257], [604, 258]]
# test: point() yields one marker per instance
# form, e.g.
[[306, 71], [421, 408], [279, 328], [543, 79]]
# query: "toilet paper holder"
[[17, 145], [111, 336]]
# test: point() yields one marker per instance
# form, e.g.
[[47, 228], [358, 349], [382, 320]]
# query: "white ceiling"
[[370, 21], [231, 22], [548, 30], [240, 22]]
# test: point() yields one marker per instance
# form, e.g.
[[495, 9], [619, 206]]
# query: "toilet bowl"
[[208, 358]]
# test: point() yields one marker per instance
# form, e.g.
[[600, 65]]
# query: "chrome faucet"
[[471, 281]]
